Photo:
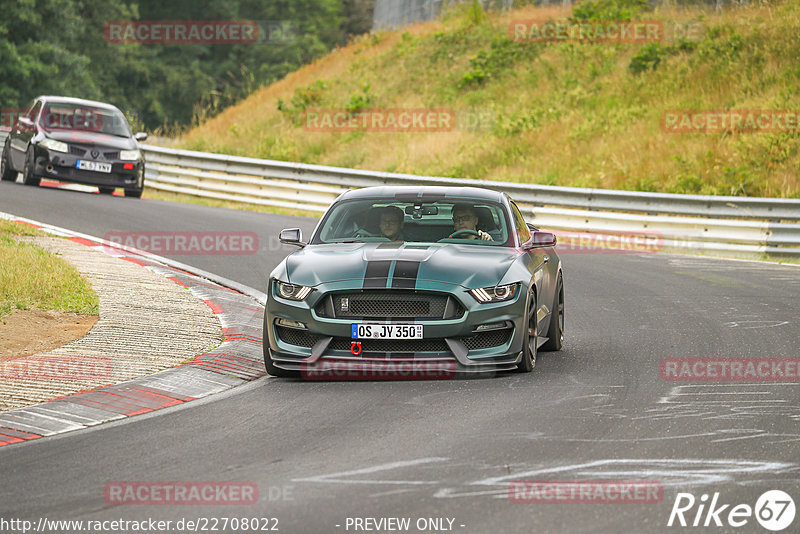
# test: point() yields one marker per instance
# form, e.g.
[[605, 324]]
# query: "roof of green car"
[[423, 193]]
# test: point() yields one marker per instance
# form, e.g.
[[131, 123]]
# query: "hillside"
[[561, 113]]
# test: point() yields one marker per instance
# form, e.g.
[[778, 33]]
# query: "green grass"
[[570, 114], [31, 277]]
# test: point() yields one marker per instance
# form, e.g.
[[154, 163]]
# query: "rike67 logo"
[[774, 510]]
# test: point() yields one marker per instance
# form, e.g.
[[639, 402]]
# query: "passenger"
[[391, 223], [466, 220]]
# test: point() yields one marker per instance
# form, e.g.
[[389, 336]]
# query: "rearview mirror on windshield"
[[418, 211]]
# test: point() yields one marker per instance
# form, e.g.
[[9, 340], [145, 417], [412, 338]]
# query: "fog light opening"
[[490, 326], [290, 323]]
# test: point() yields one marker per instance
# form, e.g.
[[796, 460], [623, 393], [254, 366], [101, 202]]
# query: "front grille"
[[292, 336], [111, 155], [392, 345], [75, 151], [390, 304], [485, 340]]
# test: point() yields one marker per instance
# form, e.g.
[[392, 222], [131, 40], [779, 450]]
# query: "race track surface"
[[321, 452]]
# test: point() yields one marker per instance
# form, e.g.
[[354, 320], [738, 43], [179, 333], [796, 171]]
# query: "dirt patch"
[[27, 332]]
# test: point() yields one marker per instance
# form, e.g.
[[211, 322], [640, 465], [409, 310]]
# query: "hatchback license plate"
[[93, 166], [386, 331]]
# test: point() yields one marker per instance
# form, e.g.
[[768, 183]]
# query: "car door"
[[538, 262], [22, 133]]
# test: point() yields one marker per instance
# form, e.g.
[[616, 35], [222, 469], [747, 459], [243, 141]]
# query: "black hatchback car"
[[78, 141]]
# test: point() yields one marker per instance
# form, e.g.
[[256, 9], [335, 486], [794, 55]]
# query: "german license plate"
[[386, 331], [93, 166]]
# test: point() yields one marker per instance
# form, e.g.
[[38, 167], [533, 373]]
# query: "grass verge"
[[34, 278], [562, 113]]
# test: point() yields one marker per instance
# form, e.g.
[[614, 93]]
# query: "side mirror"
[[292, 236], [541, 239], [25, 121], [141, 136]]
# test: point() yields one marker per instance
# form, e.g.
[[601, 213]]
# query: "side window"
[[519, 222]]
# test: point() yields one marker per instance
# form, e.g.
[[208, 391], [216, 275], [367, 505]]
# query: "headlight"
[[130, 155], [292, 291], [52, 144], [495, 293]]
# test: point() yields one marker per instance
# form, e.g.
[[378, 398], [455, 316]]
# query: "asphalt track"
[[321, 452]]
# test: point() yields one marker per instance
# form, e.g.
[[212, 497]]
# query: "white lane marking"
[[391, 492], [670, 472], [754, 324], [337, 477]]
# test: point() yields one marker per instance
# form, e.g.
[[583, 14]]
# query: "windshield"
[[80, 117], [475, 222]]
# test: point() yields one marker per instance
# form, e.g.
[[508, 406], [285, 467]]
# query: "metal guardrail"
[[740, 226]]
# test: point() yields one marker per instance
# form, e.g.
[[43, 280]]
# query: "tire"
[[7, 174], [555, 332], [136, 193], [28, 176], [268, 365], [529, 341], [106, 190]]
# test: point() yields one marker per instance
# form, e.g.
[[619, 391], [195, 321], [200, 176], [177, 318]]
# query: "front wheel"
[[106, 190], [555, 332], [28, 176], [137, 192], [7, 174], [530, 339]]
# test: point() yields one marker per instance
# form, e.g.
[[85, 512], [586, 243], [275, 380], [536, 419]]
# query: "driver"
[[465, 218], [391, 224]]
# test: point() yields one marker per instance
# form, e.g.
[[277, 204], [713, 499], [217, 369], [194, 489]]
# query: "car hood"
[[92, 139], [470, 266]]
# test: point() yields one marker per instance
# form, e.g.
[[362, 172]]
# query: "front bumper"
[[61, 166], [448, 344]]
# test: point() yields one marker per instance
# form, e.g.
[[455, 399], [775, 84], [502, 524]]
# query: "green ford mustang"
[[441, 280]]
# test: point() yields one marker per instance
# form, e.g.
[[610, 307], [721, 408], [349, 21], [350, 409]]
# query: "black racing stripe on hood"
[[376, 274], [405, 274]]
